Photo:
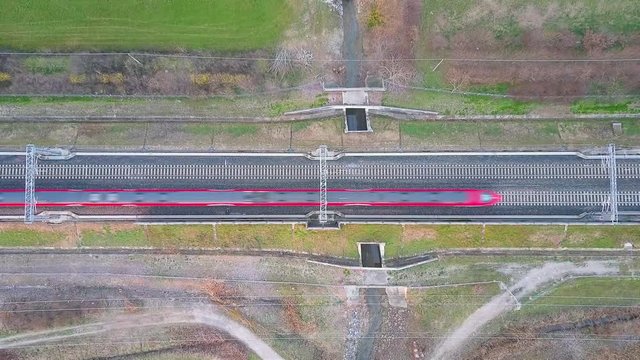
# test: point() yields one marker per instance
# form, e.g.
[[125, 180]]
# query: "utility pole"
[[30, 170], [613, 183], [324, 173]]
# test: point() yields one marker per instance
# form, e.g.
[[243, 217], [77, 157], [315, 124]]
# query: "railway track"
[[566, 198], [309, 172]]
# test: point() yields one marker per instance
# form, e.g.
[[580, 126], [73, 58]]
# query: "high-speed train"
[[252, 197]]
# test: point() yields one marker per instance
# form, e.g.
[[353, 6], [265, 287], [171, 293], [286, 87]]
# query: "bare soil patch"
[[416, 233], [526, 339], [392, 38], [499, 29]]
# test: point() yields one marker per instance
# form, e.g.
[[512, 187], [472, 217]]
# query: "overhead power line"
[[258, 58], [335, 335]]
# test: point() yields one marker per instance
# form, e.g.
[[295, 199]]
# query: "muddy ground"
[[159, 306], [142, 308], [463, 32]]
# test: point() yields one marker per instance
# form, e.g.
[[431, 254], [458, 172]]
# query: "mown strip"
[[399, 240], [66, 25]]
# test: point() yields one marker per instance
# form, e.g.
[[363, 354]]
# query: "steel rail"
[[595, 170]]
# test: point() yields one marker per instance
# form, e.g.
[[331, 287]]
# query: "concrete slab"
[[397, 296], [355, 97], [617, 128], [373, 277], [353, 294]]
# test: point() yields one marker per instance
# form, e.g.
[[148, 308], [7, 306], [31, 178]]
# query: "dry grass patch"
[[420, 238], [108, 135], [179, 136], [308, 134], [386, 136], [272, 136], [329, 242], [523, 236], [424, 135], [254, 237], [19, 134]]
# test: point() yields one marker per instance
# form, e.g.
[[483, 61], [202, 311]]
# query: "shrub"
[[226, 79], [5, 78], [113, 79], [202, 79], [509, 32], [375, 17], [46, 65], [77, 79], [596, 42]]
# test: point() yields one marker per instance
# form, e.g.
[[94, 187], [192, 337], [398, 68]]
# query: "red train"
[[252, 197]]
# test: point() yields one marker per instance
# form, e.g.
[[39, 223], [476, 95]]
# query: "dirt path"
[[205, 315], [506, 301], [352, 43]]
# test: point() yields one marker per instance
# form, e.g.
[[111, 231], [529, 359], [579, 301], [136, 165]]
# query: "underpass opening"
[[356, 120], [371, 254]]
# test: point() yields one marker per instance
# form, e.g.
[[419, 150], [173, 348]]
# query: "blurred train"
[[252, 197]]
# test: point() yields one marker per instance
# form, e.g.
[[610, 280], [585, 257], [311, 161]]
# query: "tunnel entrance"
[[371, 254]]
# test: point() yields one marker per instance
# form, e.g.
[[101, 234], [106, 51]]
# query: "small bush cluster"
[[116, 79], [229, 80], [77, 79], [220, 80], [201, 80], [5, 78], [375, 17], [46, 65], [509, 31], [597, 42]]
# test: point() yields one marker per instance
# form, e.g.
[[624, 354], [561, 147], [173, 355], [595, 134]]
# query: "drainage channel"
[[371, 256]]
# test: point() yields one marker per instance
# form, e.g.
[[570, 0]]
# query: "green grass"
[[67, 25], [585, 292], [459, 104], [500, 88], [596, 107], [180, 236], [280, 107], [200, 129], [441, 309], [399, 240], [631, 127], [46, 65], [37, 100], [29, 237], [432, 129], [237, 130], [601, 236], [114, 237]]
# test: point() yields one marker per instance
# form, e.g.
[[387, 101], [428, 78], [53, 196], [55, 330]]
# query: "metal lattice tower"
[[324, 173], [30, 170], [613, 183]]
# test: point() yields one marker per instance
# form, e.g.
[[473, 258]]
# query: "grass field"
[[441, 309], [66, 25], [399, 240], [586, 292]]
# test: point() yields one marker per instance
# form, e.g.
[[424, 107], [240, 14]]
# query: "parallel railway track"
[[566, 198], [310, 172]]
